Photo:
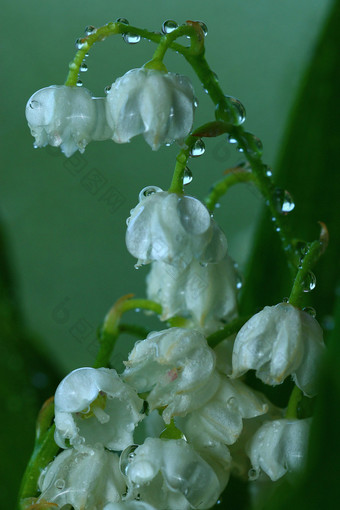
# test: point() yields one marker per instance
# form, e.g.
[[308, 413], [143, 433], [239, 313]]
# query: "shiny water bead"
[[187, 177], [284, 201], [309, 282], [169, 26], [131, 38], [126, 457], [196, 102], [310, 310], [90, 30], [79, 83], [124, 21], [203, 27], [83, 68], [231, 139], [268, 171], [107, 89], [147, 191], [80, 43], [198, 149], [231, 111]]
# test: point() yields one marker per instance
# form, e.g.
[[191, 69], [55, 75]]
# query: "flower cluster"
[[154, 103], [167, 433]]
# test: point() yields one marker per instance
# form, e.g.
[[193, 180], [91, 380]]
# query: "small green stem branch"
[[233, 327], [164, 42], [176, 185], [234, 176], [312, 254], [293, 404], [110, 330]]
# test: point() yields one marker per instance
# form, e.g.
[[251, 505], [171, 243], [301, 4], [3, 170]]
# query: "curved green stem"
[[313, 253], [110, 330], [235, 176], [233, 327], [164, 42]]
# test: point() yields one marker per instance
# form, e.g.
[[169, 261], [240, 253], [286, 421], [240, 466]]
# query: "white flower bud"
[[86, 480], [279, 446], [220, 419], [174, 229], [177, 367], [67, 117], [95, 406], [170, 475], [156, 104], [279, 341], [205, 293]]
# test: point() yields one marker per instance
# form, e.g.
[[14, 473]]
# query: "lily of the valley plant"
[[182, 418]]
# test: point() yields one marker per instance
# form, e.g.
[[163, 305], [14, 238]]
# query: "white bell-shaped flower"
[[86, 480], [220, 419], [95, 406], [174, 229], [170, 475], [154, 103], [279, 447], [279, 341], [177, 367], [205, 293], [68, 117]]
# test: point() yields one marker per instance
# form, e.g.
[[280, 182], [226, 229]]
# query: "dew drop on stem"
[[130, 38], [187, 177], [79, 83], [83, 68], [169, 26], [124, 21], [203, 27], [309, 282], [90, 30], [198, 149], [283, 201]]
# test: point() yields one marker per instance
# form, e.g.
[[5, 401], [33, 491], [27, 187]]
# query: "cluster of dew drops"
[[284, 202]]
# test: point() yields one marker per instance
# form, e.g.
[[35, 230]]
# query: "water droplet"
[[122, 20], [309, 283], [203, 27], [231, 139], [107, 89], [284, 201], [187, 178], [59, 484], [268, 171], [285, 300], [131, 38], [198, 149], [231, 110], [90, 30], [79, 83], [217, 205], [310, 310], [206, 91], [83, 68], [252, 144], [86, 55], [253, 474], [80, 43], [126, 457], [196, 102], [147, 191], [169, 26]]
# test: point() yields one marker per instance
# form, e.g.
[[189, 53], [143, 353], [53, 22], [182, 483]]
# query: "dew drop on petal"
[[196, 103], [107, 89], [187, 177], [59, 484], [253, 474], [147, 191], [198, 149], [131, 38], [126, 457], [309, 283], [169, 26], [310, 310]]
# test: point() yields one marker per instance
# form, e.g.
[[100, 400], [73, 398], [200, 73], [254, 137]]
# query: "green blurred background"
[[65, 244]]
